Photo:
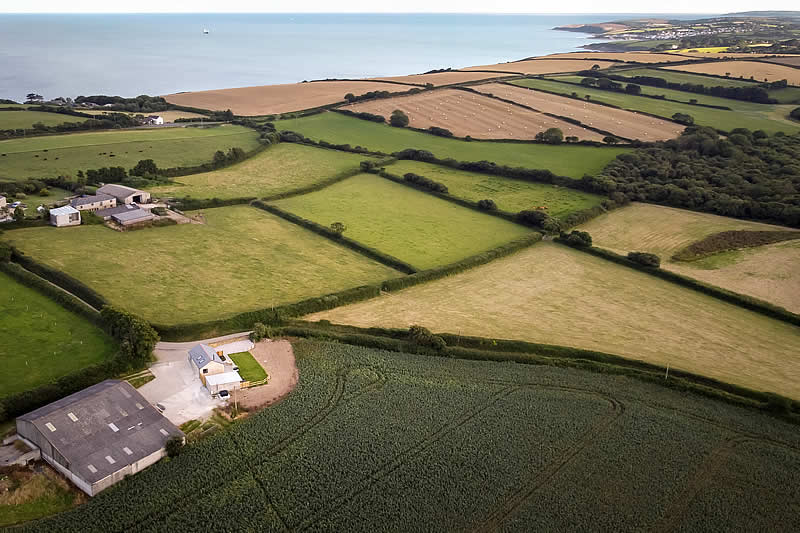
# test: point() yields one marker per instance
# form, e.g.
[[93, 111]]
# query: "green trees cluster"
[[398, 119], [645, 259], [425, 183], [136, 336], [550, 136]]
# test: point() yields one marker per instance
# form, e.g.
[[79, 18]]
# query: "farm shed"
[[65, 216], [226, 381], [93, 203], [3, 201], [133, 216], [125, 195], [154, 120], [106, 214], [99, 435]]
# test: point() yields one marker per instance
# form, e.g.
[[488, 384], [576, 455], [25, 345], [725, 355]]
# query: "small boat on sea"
[[205, 31]]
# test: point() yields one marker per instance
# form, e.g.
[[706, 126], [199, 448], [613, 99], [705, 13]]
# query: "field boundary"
[[747, 302]]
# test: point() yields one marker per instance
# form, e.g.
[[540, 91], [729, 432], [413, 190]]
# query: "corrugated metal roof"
[[224, 378], [118, 191], [92, 438], [66, 210], [117, 210], [84, 200], [136, 214]]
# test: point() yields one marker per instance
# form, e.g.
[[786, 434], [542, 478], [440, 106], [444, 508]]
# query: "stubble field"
[[542, 66], [442, 78], [758, 70]]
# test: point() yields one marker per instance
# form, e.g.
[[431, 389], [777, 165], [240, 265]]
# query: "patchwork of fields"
[[438, 79], [278, 169], [767, 272], [509, 194], [678, 76], [572, 161], [770, 118], [631, 57], [42, 341], [239, 260], [405, 223], [57, 155], [757, 70], [542, 66], [465, 113], [375, 441], [552, 294], [617, 121]]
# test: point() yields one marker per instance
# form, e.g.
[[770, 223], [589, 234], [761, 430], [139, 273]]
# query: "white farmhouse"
[[154, 120], [65, 216]]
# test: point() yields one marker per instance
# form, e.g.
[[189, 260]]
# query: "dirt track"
[[478, 116], [617, 121]]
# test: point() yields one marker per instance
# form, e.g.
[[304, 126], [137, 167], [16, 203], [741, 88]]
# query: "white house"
[[154, 120], [124, 195], [216, 370], [65, 216], [3, 202]]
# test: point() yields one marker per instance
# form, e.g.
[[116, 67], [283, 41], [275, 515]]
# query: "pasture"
[[572, 161], [767, 272], [509, 194], [541, 66], [240, 259], [54, 195], [278, 169], [441, 78], [676, 76], [275, 99], [13, 120], [413, 226], [42, 341], [756, 70], [552, 294], [56, 155], [617, 121], [417, 443], [478, 116], [770, 118]]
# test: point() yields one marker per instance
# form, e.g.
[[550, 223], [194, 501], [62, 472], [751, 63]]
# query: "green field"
[[509, 194], [55, 155], [413, 226], [12, 120], [249, 368], [552, 294], [240, 259], [42, 341], [381, 441], [767, 117], [788, 95], [279, 169], [572, 161]]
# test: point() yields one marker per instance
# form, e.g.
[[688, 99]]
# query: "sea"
[[131, 54]]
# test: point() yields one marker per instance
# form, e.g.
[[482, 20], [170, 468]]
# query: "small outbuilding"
[[134, 216], [154, 120], [226, 381], [125, 195], [99, 435], [65, 216], [3, 201]]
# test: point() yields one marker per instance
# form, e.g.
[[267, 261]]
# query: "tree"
[[610, 139], [588, 82], [645, 259], [33, 98], [338, 228], [173, 446], [145, 167], [595, 67], [398, 119], [632, 88], [137, 338], [19, 214], [795, 114], [260, 331], [350, 97], [579, 239], [487, 204], [571, 139], [550, 136], [683, 118]]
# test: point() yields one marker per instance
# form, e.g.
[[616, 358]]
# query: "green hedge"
[[315, 187], [25, 223], [372, 253], [188, 203], [65, 281], [747, 302]]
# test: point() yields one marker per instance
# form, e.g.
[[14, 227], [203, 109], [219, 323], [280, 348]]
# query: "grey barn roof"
[[117, 210], [202, 354], [83, 200], [110, 419], [134, 214], [118, 191]]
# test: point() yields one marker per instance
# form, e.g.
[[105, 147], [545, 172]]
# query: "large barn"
[[99, 435]]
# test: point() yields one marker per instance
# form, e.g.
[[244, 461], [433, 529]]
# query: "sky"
[[391, 6]]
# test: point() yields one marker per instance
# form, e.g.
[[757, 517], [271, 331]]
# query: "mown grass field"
[[509, 194], [413, 226], [767, 117], [12, 120], [415, 443], [767, 272], [278, 169], [556, 295], [42, 341], [249, 368], [240, 259], [54, 155], [54, 194], [572, 161]]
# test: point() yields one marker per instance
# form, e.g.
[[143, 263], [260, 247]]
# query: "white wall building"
[[65, 216]]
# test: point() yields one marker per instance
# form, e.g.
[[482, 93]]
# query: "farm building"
[[3, 202], [134, 216], [210, 362], [65, 216], [99, 435], [154, 120], [93, 203], [106, 214], [125, 195]]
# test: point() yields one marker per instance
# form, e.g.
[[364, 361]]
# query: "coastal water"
[[127, 55]]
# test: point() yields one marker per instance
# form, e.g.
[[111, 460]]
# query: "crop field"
[[42, 341], [413, 226], [637, 57], [465, 113], [617, 121], [442, 78], [542, 66], [12, 120], [239, 260], [767, 272], [278, 169], [552, 294], [509, 194], [756, 69], [55, 155], [792, 61], [419, 443], [572, 161], [273, 99], [770, 118], [675, 76]]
